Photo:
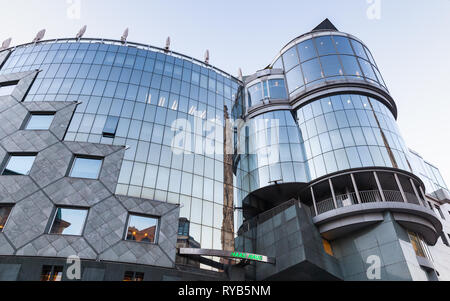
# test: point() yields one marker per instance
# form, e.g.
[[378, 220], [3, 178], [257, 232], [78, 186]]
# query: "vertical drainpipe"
[[416, 192], [314, 200], [380, 189], [400, 187], [332, 193], [358, 197]]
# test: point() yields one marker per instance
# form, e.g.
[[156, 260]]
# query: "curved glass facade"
[[325, 58], [130, 96], [350, 131]]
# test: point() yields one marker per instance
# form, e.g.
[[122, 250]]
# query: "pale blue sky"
[[410, 43]]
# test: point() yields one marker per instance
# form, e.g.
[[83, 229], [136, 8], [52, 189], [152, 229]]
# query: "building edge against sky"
[[150, 165]]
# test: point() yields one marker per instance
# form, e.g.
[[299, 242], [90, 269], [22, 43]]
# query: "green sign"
[[247, 256]]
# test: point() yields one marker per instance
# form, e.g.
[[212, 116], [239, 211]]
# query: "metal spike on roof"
[[39, 36], [240, 74], [124, 37], [81, 32], [6, 43], [167, 44], [207, 56]]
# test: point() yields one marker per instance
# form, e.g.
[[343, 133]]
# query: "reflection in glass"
[[290, 59], [343, 45], [255, 94], [51, 273], [311, 70], [86, 168], [4, 214], [331, 65], [69, 221], [325, 45], [294, 79], [277, 89], [306, 50], [19, 165], [142, 228], [39, 122]]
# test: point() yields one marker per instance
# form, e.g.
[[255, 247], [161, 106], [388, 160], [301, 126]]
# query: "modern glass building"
[[150, 165]]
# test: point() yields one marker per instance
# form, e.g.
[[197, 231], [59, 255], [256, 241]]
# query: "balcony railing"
[[370, 196]]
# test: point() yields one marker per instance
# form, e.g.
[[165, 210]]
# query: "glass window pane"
[[367, 69], [294, 79], [306, 50], [19, 165], [142, 228], [277, 89], [331, 65], [69, 221], [86, 168], [343, 45], [325, 45], [255, 94], [359, 49], [4, 213], [311, 70], [290, 59], [351, 66], [39, 122]]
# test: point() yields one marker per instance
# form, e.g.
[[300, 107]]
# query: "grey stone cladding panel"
[[28, 141], [51, 164], [24, 79], [77, 192], [58, 246], [28, 219], [15, 188], [12, 120], [5, 246], [105, 225]]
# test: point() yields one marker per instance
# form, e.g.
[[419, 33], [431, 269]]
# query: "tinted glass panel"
[[19, 165], [351, 66], [142, 228], [311, 70], [39, 122], [277, 89], [110, 128], [290, 59], [343, 45], [306, 50], [325, 45], [68, 221], [331, 65], [294, 79], [359, 49], [255, 94], [86, 168]]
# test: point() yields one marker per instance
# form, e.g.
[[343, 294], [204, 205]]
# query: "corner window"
[[19, 165], [133, 276], [110, 128], [5, 210], [52, 273], [68, 221], [39, 121], [86, 168], [142, 228], [7, 89]]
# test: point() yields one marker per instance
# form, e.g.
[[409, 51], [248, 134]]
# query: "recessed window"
[[68, 221], [87, 168], [7, 89], [19, 165], [5, 210], [52, 273], [39, 121], [142, 228], [133, 276], [110, 128]]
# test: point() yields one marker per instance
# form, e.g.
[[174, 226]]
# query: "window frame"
[[11, 206], [158, 224], [11, 155], [52, 272], [72, 165], [133, 278], [54, 213], [30, 116]]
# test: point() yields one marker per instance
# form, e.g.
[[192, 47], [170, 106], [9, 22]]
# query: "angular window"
[[19, 164], [87, 168], [133, 276], [6, 89], [52, 273], [142, 228], [110, 128], [277, 89], [5, 210], [68, 221], [39, 121]]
